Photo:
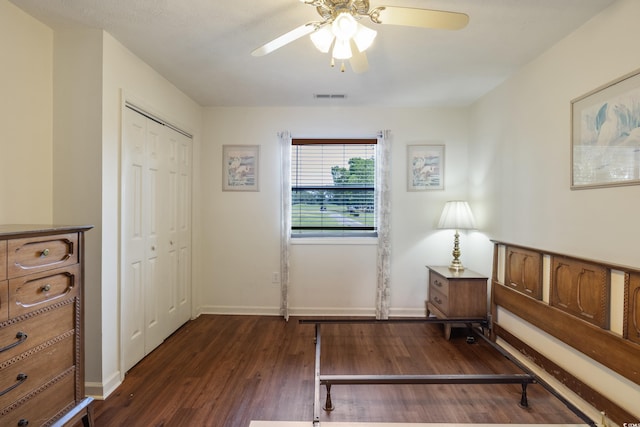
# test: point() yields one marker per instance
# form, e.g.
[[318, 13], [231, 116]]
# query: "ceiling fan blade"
[[358, 61], [286, 38], [425, 18]]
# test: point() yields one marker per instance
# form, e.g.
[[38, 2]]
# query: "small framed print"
[[240, 167], [425, 167]]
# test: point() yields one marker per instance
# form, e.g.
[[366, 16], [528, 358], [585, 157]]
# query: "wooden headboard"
[[569, 298]]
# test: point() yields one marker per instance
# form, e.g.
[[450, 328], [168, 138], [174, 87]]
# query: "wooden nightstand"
[[456, 294]]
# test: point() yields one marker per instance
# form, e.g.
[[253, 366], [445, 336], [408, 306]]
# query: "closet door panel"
[[184, 228], [156, 234], [133, 238], [170, 306]]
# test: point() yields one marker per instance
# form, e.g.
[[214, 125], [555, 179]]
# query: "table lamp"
[[456, 215]]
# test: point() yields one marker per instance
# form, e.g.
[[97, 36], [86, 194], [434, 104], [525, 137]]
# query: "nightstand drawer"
[[440, 300], [439, 283]]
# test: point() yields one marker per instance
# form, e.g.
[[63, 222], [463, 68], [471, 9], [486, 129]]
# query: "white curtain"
[[383, 211], [285, 220]]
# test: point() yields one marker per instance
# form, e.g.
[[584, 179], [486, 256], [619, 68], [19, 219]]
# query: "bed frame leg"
[[523, 400], [328, 405]]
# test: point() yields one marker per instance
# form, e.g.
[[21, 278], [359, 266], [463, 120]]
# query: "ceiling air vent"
[[329, 96]]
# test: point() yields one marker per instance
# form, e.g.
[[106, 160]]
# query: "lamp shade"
[[457, 215]]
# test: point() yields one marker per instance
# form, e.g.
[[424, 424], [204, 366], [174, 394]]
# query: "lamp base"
[[456, 265]]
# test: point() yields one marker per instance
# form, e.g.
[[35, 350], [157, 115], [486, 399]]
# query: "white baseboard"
[[239, 310], [308, 311], [101, 391]]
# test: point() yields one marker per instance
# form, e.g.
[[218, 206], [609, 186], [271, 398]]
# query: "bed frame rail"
[[329, 380]]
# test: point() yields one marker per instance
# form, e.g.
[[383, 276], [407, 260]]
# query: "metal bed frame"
[[523, 379]]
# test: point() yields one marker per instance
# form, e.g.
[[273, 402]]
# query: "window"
[[333, 188]]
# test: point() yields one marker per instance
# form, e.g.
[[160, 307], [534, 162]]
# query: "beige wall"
[[26, 102], [241, 244], [520, 179]]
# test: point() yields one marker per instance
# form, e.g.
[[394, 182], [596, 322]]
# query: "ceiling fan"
[[340, 29]]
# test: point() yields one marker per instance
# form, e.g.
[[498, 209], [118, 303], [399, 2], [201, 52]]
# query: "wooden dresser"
[[41, 326], [461, 294]]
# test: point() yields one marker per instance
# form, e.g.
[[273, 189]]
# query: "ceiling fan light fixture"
[[344, 26], [342, 49], [322, 39], [364, 37]]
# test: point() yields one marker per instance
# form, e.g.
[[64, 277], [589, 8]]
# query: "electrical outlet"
[[275, 277]]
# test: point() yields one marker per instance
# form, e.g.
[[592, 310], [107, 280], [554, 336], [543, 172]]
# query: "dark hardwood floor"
[[224, 371]]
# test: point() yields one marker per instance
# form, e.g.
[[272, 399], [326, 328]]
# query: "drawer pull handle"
[[43, 254], [20, 336], [46, 288], [23, 423], [437, 283], [20, 378], [437, 300]]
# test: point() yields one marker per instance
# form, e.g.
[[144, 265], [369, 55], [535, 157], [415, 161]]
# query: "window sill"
[[334, 241]]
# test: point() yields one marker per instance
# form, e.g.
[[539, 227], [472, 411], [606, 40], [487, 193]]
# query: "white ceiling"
[[203, 47]]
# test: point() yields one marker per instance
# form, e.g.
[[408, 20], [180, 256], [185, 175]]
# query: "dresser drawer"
[[21, 335], [439, 283], [45, 403], [4, 301], [439, 300], [36, 291], [35, 254], [3, 260], [25, 372]]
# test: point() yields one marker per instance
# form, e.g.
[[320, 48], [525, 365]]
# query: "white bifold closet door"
[[155, 296]]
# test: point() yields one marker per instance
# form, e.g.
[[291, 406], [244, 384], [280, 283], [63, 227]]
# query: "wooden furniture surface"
[[576, 311], [41, 326], [456, 294]]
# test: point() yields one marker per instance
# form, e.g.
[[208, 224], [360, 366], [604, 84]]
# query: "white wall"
[[520, 179], [241, 230], [26, 93]]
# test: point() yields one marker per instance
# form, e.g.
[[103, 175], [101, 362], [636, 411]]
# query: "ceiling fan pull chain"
[[342, 67]]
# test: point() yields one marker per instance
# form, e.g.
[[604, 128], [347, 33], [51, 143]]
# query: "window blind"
[[333, 187]]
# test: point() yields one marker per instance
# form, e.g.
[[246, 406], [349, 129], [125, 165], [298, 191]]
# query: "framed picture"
[[425, 167], [240, 167], [605, 135]]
